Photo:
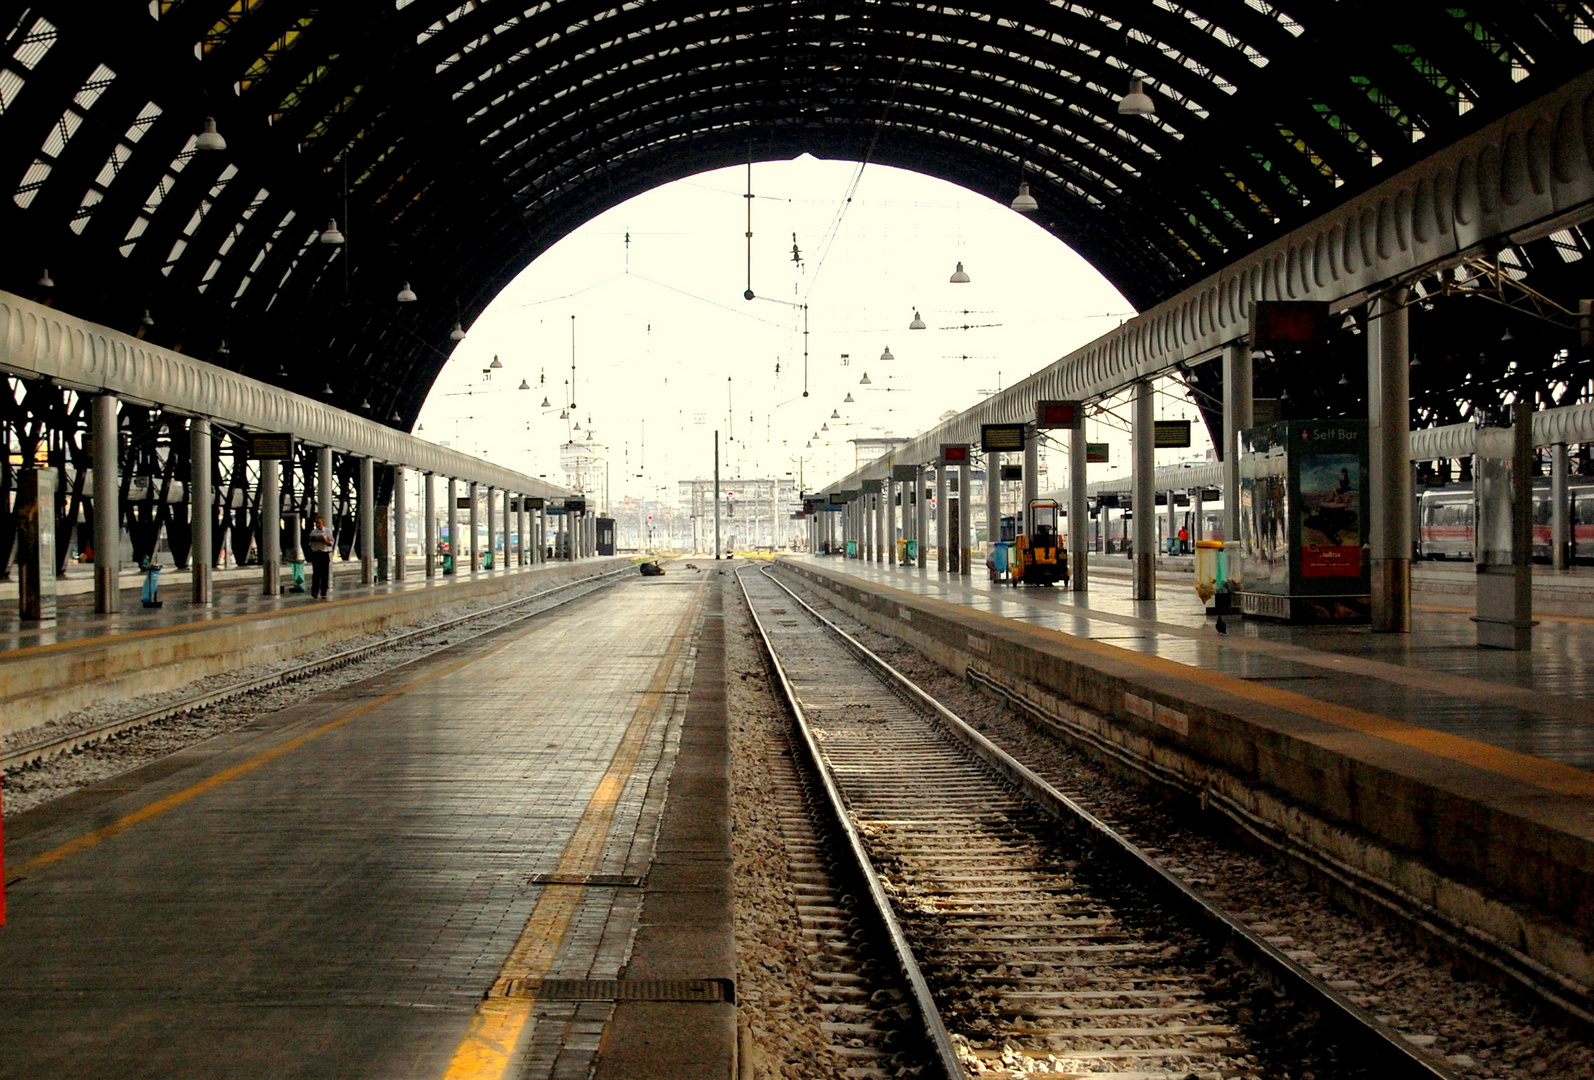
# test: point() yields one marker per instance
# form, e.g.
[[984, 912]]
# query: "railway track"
[[1036, 939], [32, 753]]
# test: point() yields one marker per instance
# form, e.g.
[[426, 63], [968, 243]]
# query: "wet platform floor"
[[1538, 703], [372, 883]]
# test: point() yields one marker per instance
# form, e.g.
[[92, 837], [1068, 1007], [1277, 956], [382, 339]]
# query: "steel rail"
[[46, 748], [1382, 1044], [946, 1053]]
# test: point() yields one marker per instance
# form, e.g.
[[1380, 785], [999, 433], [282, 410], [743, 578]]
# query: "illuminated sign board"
[[1170, 434], [1288, 324], [954, 453], [1095, 453], [271, 446], [1002, 438]]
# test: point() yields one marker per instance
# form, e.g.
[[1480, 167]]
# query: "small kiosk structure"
[[1303, 522]]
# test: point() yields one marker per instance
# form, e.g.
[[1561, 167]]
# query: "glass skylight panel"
[[93, 87], [35, 43]]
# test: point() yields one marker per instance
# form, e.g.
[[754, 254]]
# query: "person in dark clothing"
[[318, 542]]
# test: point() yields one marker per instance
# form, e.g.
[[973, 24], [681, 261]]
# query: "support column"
[[200, 509], [492, 530], [1032, 478], [401, 522], [940, 516], [560, 548], [451, 519], [471, 525], [366, 498], [1078, 512], [921, 516], [1389, 462], [429, 524], [271, 527], [993, 499], [1197, 516], [882, 533], [1144, 584], [1237, 416], [36, 539], [323, 484], [1173, 521], [107, 507], [1560, 498], [966, 518]]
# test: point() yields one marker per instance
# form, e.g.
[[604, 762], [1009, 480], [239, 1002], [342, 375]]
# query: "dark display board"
[[271, 446], [1056, 414], [1002, 438]]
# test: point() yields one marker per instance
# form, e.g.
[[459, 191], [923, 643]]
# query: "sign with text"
[[954, 453], [1095, 453], [1170, 434], [1002, 438], [1056, 414], [1012, 472], [271, 446]]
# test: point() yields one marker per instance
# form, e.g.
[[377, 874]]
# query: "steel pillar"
[[1389, 462], [35, 544], [1032, 478], [107, 507], [940, 517], [993, 500], [473, 523], [429, 523], [965, 518], [1078, 512], [200, 508], [324, 484], [492, 529], [271, 526], [1237, 417], [401, 522], [1144, 584], [1560, 525], [921, 516], [451, 519], [366, 509]]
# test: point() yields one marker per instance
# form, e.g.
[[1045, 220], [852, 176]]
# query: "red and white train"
[[1447, 521]]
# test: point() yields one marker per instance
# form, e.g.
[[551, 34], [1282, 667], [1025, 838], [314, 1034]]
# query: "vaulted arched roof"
[[456, 141]]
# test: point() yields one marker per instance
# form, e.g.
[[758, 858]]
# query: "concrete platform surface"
[[440, 872]]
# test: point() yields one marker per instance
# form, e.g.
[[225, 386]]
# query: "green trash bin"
[[913, 551]]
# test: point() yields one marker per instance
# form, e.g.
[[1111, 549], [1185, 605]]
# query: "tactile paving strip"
[[622, 989]]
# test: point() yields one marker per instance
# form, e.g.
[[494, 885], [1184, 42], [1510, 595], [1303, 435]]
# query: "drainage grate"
[[617, 881], [694, 990]]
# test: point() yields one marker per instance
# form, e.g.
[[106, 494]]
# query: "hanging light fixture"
[[326, 391], [496, 364], [406, 295], [1192, 378], [395, 417], [1137, 102], [365, 404], [1351, 324], [865, 380], [1344, 379], [887, 354], [917, 323], [1506, 336], [578, 425], [1024, 202], [282, 372], [824, 427], [147, 320], [330, 234], [564, 414], [835, 414], [959, 277], [524, 385], [546, 404], [210, 138], [222, 350], [458, 333], [45, 281], [848, 399]]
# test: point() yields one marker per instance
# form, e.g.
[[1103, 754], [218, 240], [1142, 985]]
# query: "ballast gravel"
[[1481, 1031]]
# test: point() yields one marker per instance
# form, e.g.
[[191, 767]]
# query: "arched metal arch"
[[455, 140]]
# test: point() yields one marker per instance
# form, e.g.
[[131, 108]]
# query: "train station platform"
[[510, 859], [81, 659], [1414, 769]]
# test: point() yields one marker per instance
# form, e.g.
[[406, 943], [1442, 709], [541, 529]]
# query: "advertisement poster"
[[1331, 525]]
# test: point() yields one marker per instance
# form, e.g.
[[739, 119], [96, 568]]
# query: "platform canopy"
[[453, 142]]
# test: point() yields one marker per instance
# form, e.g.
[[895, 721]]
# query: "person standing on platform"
[[318, 542]]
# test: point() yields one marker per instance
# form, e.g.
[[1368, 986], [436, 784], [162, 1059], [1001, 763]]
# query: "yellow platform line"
[[1549, 775], [501, 1024]]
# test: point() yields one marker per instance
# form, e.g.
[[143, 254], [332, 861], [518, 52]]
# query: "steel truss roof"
[[455, 141]]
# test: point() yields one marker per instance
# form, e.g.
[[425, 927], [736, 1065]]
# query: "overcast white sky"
[[667, 349]]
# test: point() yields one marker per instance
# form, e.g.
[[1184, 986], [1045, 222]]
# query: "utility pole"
[[716, 494]]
